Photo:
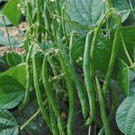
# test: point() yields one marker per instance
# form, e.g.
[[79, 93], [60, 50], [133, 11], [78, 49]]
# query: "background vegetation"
[[76, 73]]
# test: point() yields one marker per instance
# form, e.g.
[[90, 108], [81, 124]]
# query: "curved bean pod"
[[49, 93], [38, 93], [88, 81]]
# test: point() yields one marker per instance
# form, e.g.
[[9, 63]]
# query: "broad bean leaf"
[[125, 116], [121, 64], [101, 58], [12, 12], [123, 81], [8, 124], [128, 36], [11, 92], [4, 41], [85, 12], [37, 126], [77, 50], [18, 73], [123, 8]]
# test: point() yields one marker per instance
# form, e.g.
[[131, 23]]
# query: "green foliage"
[[11, 92], [18, 73], [8, 123], [85, 11], [12, 11], [102, 55], [125, 115], [123, 81], [78, 68]]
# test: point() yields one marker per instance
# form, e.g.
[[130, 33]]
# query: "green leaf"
[[103, 52], [85, 12], [77, 50], [125, 116], [123, 8], [123, 81], [128, 36], [18, 73], [11, 92], [4, 41], [12, 12], [102, 56], [8, 124], [121, 64]]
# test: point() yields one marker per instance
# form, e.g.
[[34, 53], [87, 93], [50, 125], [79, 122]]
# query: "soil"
[[16, 33]]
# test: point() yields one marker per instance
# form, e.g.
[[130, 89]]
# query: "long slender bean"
[[47, 23], [49, 92], [53, 122], [73, 74], [63, 25], [113, 108], [38, 93], [126, 52], [114, 54], [28, 83], [71, 97], [102, 108], [70, 46], [95, 40], [88, 81]]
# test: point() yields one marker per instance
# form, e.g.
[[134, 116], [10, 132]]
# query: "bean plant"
[[77, 74]]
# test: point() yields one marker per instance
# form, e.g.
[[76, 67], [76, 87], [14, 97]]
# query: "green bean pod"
[[102, 108], [113, 108], [88, 81], [73, 74], [113, 57], [95, 40], [38, 93], [27, 93], [53, 122], [71, 98], [47, 23], [49, 93]]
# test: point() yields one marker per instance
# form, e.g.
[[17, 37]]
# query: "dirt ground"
[[18, 34]]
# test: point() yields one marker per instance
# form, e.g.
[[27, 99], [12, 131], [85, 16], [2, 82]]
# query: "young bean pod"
[[114, 54], [73, 74], [71, 98], [38, 93], [27, 93], [88, 81], [49, 92], [53, 122], [113, 108], [102, 108]]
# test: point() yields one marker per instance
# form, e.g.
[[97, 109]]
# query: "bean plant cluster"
[[77, 74]]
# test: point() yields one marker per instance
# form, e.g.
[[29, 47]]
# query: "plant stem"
[[126, 52], [32, 117], [132, 9], [9, 42], [109, 3]]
